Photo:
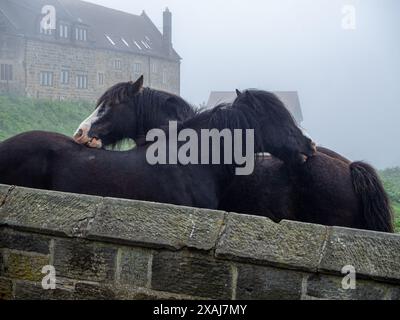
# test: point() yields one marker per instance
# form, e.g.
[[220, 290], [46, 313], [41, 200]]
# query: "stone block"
[[24, 241], [265, 283], [134, 267], [192, 274], [83, 260], [6, 288], [25, 290], [49, 212], [288, 244], [157, 225], [372, 254], [330, 288], [90, 291], [18, 265]]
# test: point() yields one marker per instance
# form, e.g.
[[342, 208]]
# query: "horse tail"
[[374, 201]]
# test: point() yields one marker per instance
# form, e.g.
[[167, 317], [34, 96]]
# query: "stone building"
[[71, 49]]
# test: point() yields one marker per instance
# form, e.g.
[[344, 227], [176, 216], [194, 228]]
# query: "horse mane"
[[226, 116], [116, 94], [153, 108], [256, 110], [149, 101], [277, 111]]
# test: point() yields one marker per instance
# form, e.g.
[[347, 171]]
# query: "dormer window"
[[80, 34], [64, 31]]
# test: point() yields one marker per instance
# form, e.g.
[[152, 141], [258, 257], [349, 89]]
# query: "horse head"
[[279, 132], [108, 123]]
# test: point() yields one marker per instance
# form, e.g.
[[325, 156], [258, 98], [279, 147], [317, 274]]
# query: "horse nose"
[[79, 133], [81, 136]]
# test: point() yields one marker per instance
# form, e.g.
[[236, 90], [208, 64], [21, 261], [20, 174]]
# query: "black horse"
[[329, 189], [326, 190], [136, 110], [55, 162]]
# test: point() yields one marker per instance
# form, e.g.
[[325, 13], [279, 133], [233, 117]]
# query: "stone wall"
[[30, 57], [12, 53], [118, 249]]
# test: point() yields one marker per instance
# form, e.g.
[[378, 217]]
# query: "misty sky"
[[348, 80]]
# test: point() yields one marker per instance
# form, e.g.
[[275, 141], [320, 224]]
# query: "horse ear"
[[238, 92], [138, 85]]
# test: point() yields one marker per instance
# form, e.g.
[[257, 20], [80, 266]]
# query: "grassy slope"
[[19, 115], [23, 114], [391, 179], [397, 218]]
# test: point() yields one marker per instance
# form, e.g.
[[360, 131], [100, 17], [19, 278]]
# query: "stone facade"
[[55, 58], [119, 249], [12, 53], [48, 66]]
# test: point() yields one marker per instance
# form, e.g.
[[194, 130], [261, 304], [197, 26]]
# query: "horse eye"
[[102, 110]]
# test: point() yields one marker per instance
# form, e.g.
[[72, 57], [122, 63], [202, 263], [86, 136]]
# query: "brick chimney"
[[167, 32]]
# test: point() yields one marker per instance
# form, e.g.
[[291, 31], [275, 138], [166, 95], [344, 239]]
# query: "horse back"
[[25, 160], [324, 183]]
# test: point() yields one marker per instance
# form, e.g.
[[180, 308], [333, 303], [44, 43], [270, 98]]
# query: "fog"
[[348, 80]]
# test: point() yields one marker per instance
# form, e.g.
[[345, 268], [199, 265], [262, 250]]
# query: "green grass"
[[18, 114], [396, 207], [391, 181]]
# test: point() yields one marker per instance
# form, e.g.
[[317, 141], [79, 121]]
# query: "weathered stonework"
[[12, 53], [171, 226], [119, 249], [191, 274], [54, 57], [30, 52], [289, 244]]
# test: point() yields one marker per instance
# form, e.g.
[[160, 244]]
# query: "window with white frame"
[[137, 70], [46, 79], [6, 72], [81, 81], [154, 67], [137, 67], [80, 34], [64, 77], [117, 64], [101, 79], [164, 77], [64, 31]]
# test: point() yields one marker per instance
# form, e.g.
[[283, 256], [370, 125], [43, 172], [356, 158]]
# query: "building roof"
[[289, 98], [107, 28]]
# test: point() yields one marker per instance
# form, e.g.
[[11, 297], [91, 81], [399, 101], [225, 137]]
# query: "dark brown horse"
[[326, 190], [135, 111], [329, 189], [55, 162]]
